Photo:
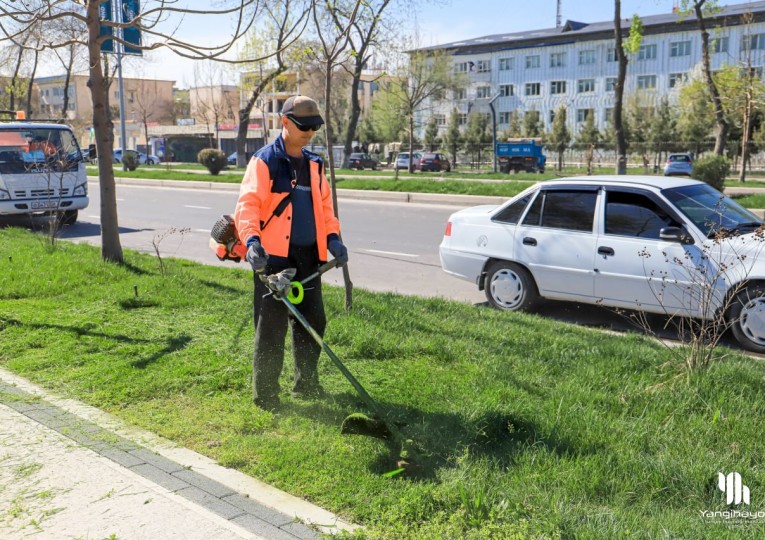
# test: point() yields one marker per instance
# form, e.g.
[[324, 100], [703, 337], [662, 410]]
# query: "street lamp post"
[[494, 130]]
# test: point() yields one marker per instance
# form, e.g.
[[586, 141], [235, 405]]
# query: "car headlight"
[[81, 190], [4, 195]]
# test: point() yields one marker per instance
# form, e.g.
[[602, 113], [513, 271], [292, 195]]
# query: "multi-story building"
[[575, 65]]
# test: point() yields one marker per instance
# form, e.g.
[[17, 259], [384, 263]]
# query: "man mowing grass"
[[285, 217]]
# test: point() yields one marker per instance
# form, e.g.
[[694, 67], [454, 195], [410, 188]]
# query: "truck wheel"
[[747, 318], [510, 287]]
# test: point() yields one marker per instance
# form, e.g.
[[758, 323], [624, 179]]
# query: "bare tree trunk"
[[721, 136], [355, 111], [244, 114], [68, 81], [621, 142], [30, 88], [411, 140], [331, 162], [14, 79], [745, 136], [111, 249]]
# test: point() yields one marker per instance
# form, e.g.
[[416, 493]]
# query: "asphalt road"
[[393, 246]]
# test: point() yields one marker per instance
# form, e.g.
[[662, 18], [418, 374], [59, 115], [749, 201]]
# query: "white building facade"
[[576, 65]]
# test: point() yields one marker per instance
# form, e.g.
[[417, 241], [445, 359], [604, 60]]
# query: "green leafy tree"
[[560, 136], [532, 124], [431, 140], [453, 136], [639, 119], [477, 135], [696, 119], [588, 138], [663, 130]]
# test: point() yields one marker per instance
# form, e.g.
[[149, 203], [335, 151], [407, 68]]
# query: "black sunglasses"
[[304, 128]]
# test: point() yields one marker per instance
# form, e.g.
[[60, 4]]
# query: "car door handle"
[[603, 250], [528, 241]]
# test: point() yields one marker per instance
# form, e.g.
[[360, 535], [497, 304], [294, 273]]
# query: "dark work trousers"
[[271, 319]]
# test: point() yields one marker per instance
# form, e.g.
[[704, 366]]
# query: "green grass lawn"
[[526, 427]]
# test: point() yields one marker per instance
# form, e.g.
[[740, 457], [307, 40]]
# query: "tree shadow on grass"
[[174, 344], [86, 329], [439, 438]]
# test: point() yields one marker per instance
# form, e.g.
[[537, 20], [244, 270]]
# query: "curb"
[[352, 194]]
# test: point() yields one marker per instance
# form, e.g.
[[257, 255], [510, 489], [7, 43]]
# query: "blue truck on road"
[[521, 155]]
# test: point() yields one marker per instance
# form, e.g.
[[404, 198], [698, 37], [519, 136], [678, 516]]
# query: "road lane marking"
[[202, 230], [397, 253], [197, 207]]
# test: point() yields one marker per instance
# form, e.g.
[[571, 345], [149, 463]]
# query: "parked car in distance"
[[231, 159], [671, 246], [678, 165], [142, 158], [433, 161], [402, 161], [361, 161]]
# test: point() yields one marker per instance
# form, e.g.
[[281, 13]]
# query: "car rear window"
[[680, 158], [429, 156]]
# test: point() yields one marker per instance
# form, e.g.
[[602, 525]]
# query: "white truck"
[[42, 170]]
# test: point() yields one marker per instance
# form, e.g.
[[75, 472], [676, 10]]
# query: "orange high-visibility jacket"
[[267, 181]]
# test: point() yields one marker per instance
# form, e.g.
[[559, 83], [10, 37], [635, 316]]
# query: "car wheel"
[[68, 217], [747, 318], [149, 162], [510, 287]]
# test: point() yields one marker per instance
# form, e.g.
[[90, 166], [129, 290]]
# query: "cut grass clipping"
[[527, 427]]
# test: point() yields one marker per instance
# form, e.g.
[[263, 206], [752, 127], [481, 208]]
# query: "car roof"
[[33, 125], [657, 182]]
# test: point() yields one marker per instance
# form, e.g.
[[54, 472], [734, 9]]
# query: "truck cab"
[[42, 170], [521, 155]]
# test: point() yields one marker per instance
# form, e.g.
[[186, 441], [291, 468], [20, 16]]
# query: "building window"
[[483, 92], [586, 57], [506, 90], [608, 115], [585, 85], [610, 84], [557, 87], [557, 59], [462, 119], [753, 43], [679, 48], [504, 117], [483, 66], [440, 119], [532, 61], [677, 78], [552, 116], [460, 94], [646, 82], [611, 55], [533, 89], [461, 67], [720, 44], [506, 64], [647, 52], [583, 114]]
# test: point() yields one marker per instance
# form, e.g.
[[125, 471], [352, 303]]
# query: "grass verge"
[[527, 428]]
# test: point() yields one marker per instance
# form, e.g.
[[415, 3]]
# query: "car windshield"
[[710, 210], [429, 156]]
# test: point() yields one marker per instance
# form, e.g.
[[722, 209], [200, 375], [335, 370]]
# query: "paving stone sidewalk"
[[64, 475]]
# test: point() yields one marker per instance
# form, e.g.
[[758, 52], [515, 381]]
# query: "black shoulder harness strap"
[[277, 211]]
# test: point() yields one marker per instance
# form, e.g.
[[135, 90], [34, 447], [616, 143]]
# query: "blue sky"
[[444, 21]]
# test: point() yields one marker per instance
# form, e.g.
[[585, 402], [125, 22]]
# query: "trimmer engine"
[[225, 242]]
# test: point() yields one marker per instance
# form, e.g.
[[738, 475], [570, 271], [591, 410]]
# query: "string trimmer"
[[281, 285]]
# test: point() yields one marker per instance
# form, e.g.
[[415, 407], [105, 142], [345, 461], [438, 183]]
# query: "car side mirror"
[[675, 234]]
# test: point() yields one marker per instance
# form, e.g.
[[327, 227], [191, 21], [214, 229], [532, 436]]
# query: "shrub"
[[214, 160], [712, 170], [130, 159]]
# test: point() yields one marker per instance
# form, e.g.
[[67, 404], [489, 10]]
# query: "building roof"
[[578, 31]]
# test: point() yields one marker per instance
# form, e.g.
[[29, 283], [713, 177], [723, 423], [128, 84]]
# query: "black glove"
[[257, 256], [338, 251]]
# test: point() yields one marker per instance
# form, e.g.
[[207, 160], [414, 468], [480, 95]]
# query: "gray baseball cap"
[[302, 110]]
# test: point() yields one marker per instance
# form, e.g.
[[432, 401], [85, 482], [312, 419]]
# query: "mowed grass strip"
[[526, 427]]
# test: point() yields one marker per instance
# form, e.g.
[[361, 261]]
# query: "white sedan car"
[[670, 246]]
